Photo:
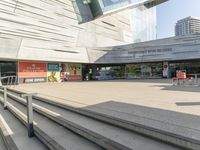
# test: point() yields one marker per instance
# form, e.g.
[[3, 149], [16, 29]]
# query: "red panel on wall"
[[30, 72]]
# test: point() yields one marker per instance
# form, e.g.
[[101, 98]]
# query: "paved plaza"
[[152, 105], [153, 93]]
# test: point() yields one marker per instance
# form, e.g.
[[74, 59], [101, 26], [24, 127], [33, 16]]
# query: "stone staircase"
[[59, 127]]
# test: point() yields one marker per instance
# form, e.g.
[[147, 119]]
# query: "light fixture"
[[86, 1]]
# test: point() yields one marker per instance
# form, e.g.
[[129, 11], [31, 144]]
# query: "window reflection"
[[111, 2], [144, 70]]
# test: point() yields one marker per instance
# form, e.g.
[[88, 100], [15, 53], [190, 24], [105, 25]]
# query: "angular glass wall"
[[87, 10], [82, 10], [101, 7], [144, 24]]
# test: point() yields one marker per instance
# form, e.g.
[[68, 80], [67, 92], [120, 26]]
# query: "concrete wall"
[[49, 30]]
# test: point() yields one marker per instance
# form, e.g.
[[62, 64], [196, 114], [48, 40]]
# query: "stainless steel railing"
[[8, 80]]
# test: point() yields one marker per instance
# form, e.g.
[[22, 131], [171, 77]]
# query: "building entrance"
[[144, 70], [190, 67], [103, 72]]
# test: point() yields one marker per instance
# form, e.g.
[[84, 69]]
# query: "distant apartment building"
[[186, 26]]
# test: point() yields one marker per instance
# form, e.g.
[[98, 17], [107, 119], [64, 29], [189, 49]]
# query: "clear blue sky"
[[168, 13]]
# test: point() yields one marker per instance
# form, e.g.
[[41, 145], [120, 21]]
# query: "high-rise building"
[[189, 25]]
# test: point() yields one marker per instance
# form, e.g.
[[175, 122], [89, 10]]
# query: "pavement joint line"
[[43, 137], [164, 136]]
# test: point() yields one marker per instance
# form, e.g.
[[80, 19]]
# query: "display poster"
[[75, 72], [53, 74], [165, 69], [64, 73], [32, 72]]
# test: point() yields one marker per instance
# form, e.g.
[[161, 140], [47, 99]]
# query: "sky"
[[168, 13]]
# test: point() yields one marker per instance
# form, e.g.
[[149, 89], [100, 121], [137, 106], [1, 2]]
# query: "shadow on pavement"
[[179, 88], [138, 80], [188, 104], [132, 112]]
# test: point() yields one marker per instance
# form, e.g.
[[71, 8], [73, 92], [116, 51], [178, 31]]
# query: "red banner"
[[30, 72]]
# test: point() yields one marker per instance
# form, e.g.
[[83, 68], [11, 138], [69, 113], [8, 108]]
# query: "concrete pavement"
[[118, 135], [153, 93], [158, 104]]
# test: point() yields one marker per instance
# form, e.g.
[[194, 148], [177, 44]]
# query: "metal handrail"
[[9, 80]]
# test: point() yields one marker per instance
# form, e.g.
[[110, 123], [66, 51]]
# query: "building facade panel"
[[170, 49], [54, 28]]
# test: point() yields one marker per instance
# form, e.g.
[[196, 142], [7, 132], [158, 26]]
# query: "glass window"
[[144, 70], [111, 2], [192, 67]]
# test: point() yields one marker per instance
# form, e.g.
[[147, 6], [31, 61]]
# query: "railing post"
[[196, 79], [15, 80], [5, 97], [11, 80], [8, 80], [29, 113]]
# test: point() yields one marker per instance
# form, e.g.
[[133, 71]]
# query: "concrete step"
[[2, 144], [106, 135], [175, 133], [15, 134], [63, 138]]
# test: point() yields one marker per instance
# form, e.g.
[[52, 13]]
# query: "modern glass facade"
[[144, 70], [143, 18], [190, 67], [144, 24], [115, 4], [112, 2], [103, 72], [8, 69], [74, 72], [100, 7], [141, 70]]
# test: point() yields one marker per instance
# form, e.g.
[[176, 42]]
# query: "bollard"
[[29, 113], [5, 97]]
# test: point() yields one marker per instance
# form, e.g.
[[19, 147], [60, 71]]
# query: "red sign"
[[32, 72], [181, 75]]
